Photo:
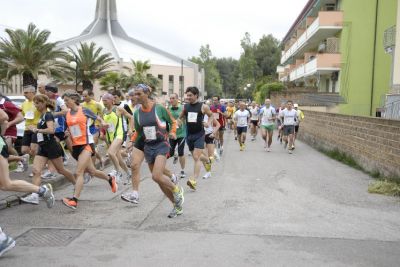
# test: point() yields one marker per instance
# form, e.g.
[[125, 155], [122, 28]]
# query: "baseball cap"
[[295, 105]]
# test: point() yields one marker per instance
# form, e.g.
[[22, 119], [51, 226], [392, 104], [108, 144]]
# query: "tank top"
[[194, 118], [154, 129], [115, 125], [78, 125]]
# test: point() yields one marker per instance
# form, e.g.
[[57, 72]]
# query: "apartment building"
[[338, 46]]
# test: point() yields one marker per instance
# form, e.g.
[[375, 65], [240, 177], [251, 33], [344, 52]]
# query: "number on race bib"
[[150, 132], [30, 115], [75, 131], [111, 128], [39, 137], [192, 117]]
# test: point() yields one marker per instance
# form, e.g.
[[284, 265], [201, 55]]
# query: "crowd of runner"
[[134, 128]]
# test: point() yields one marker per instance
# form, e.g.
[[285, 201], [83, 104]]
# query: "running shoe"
[[48, 196], [268, 149], [31, 199], [25, 162], [113, 183], [292, 147], [175, 212], [179, 198], [235, 138], [119, 177], [192, 184], [285, 145], [70, 203], [87, 177], [174, 179], [130, 197], [48, 175], [244, 146], [241, 148], [7, 243], [253, 138], [207, 175], [221, 150], [182, 175], [175, 159], [216, 155], [20, 167]]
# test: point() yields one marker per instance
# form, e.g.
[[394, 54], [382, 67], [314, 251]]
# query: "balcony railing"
[[325, 20], [322, 62]]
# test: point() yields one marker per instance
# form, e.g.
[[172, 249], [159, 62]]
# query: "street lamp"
[[73, 65]]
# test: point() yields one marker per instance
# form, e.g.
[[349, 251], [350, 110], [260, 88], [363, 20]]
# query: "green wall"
[[357, 48]]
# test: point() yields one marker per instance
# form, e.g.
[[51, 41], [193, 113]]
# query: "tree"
[[91, 63], [112, 80], [228, 71], [28, 53], [267, 54], [138, 74], [208, 63]]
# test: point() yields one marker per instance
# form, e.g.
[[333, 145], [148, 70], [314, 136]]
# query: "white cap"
[[295, 105]]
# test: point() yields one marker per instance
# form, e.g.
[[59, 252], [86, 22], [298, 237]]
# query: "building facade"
[[338, 46]]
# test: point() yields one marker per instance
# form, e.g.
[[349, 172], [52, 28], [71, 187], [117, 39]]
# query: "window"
[[170, 84], [160, 77], [181, 85]]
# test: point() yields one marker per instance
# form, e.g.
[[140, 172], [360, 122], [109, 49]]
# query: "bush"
[[265, 91]]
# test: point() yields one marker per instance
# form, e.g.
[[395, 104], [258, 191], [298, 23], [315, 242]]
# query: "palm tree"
[[91, 63], [28, 53], [111, 80], [139, 74]]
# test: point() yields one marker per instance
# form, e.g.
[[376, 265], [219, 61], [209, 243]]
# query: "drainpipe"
[[373, 58]]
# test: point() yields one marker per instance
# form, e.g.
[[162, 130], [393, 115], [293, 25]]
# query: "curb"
[[57, 183]]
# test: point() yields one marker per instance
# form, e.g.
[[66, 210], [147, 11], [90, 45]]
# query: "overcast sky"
[[176, 26]]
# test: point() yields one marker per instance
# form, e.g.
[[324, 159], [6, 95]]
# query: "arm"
[[124, 112], [216, 125], [135, 134], [171, 120], [206, 110], [63, 107], [3, 121]]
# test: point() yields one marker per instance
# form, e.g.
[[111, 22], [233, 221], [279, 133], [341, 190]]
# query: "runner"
[[176, 109], [10, 135], [210, 132], [115, 136], [300, 118], [96, 108], [230, 110], [6, 184], [254, 111], [49, 149], [268, 116], [279, 121], [219, 112], [193, 114], [289, 117], [29, 144], [151, 125], [82, 145], [241, 118]]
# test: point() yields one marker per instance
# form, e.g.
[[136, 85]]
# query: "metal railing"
[[392, 110], [389, 39]]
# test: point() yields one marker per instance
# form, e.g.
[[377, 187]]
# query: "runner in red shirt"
[[219, 112]]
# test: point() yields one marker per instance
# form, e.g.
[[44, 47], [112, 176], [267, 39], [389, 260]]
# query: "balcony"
[[320, 63], [326, 25]]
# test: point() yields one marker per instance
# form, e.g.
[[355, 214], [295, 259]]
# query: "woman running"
[[49, 148], [115, 135], [77, 120]]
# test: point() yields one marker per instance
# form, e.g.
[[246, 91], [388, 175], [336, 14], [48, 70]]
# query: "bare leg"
[[13, 185], [58, 164]]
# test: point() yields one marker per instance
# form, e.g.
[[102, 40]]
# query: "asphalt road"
[[258, 209]]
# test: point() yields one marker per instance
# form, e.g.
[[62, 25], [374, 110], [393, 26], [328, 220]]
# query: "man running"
[[176, 109], [241, 118], [193, 114], [219, 113], [289, 117], [300, 116], [267, 115], [150, 123], [254, 110]]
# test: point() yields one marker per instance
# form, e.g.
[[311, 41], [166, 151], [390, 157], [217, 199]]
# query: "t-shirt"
[[241, 117], [230, 111], [30, 114], [218, 116], [176, 112], [95, 107], [289, 117], [254, 113], [300, 116], [42, 124], [266, 116], [60, 123], [210, 128], [12, 112]]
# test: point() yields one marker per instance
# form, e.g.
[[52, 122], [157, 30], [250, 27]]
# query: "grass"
[[389, 186]]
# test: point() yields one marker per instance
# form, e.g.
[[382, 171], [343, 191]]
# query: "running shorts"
[[154, 150], [181, 146], [288, 129], [209, 140], [50, 149], [241, 130], [77, 150], [195, 141], [29, 138]]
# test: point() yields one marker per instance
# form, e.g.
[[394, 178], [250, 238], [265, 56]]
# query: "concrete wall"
[[373, 142]]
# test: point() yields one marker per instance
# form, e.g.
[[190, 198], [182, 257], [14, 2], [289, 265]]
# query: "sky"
[[179, 27]]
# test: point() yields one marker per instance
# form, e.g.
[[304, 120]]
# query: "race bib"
[[242, 121], [150, 132], [75, 131], [192, 116], [39, 137], [30, 115], [111, 128], [216, 116]]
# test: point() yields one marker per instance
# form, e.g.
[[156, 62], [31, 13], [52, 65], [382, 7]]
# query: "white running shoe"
[[182, 175], [31, 199], [87, 177], [20, 167], [174, 179], [207, 175], [130, 197], [48, 175], [6, 243]]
